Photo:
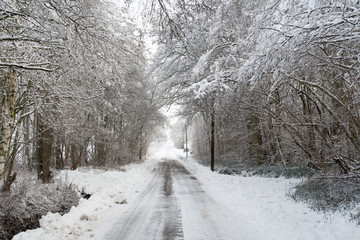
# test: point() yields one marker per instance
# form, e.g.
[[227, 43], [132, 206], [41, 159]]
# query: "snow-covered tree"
[[280, 76], [74, 86]]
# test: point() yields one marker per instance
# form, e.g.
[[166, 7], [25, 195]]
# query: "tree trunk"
[[43, 150], [256, 138], [26, 126], [46, 140], [38, 152], [8, 120], [10, 178], [100, 152], [59, 158], [140, 146], [74, 157]]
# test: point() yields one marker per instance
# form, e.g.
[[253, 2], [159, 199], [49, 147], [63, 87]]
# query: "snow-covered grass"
[[264, 203], [108, 190]]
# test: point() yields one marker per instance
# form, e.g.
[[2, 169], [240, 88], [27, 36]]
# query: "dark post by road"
[[212, 139], [186, 143]]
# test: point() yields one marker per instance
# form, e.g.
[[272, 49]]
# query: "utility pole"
[[212, 138]]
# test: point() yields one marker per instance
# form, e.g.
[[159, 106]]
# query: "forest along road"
[[174, 206]]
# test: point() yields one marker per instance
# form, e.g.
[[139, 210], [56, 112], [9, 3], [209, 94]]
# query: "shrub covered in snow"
[[330, 193], [21, 209], [235, 168], [281, 171]]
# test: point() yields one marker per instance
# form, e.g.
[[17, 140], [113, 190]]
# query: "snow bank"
[[264, 203], [108, 189]]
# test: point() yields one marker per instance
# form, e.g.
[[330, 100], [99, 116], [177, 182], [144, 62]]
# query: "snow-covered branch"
[[26, 67]]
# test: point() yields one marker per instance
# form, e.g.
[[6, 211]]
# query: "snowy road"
[[173, 206]]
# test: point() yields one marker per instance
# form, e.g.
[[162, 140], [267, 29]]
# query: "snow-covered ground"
[[108, 189], [260, 205], [267, 212]]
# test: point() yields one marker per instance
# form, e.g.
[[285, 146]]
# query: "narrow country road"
[[174, 206]]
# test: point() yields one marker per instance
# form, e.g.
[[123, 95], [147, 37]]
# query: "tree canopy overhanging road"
[[259, 85]]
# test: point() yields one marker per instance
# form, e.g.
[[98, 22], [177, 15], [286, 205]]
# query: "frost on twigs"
[[21, 209]]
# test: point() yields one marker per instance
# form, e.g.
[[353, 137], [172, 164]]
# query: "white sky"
[[136, 12]]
